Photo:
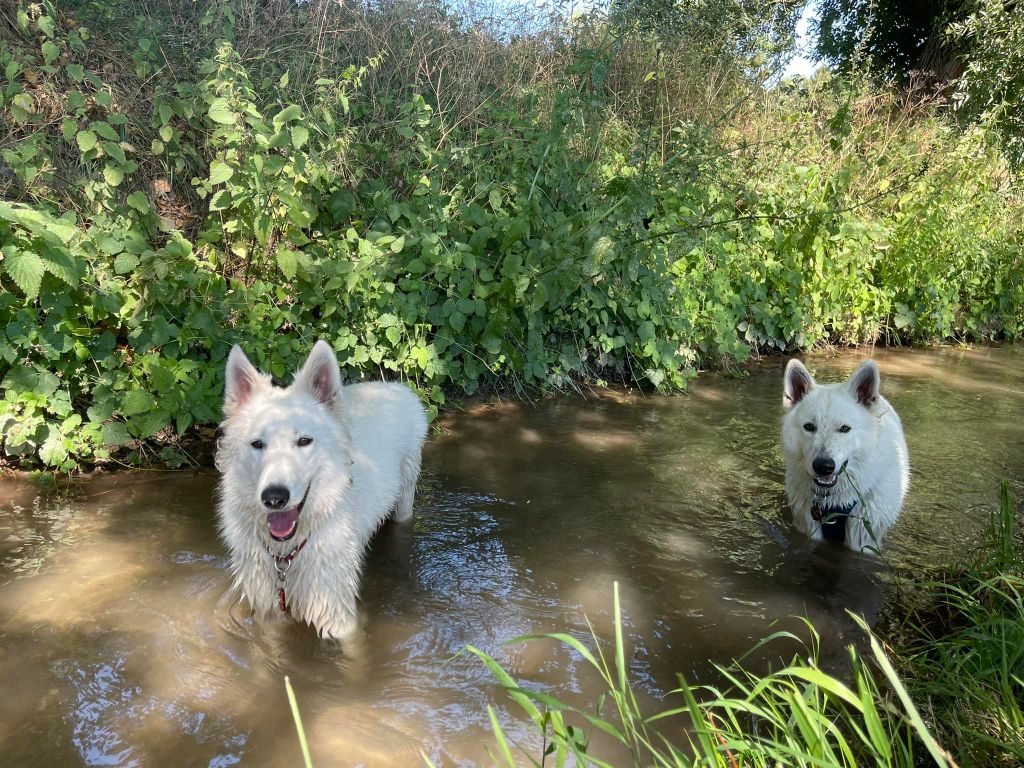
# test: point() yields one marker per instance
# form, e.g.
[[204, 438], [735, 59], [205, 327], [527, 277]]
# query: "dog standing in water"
[[847, 468], [308, 474]]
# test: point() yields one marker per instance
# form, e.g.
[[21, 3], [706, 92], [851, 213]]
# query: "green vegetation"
[[947, 691], [456, 202], [973, 49], [962, 650]]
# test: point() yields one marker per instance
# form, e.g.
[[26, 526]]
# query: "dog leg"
[[407, 492]]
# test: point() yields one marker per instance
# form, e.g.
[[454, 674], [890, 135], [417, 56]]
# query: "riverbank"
[[573, 208]]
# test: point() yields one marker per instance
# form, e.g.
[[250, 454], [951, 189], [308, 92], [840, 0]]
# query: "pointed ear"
[[864, 384], [320, 374], [797, 382], [241, 379]]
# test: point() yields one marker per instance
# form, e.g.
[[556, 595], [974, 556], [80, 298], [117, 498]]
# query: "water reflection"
[[119, 644]]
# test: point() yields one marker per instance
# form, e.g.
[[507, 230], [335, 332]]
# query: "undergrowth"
[[455, 202]]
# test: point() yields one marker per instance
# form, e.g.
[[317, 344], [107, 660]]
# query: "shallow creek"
[[121, 646]]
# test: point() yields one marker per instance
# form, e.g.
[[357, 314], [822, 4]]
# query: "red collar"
[[282, 564]]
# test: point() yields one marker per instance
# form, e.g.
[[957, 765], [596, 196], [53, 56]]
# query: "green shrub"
[[171, 192]]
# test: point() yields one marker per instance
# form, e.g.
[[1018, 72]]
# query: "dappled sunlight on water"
[[120, 643]]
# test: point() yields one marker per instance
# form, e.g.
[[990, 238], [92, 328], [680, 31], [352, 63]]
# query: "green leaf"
[[287, 115], [113, 149], [101, 410], [139, 202], [50, 52], [52, 452], [220, 172], [115, 433], [457, 320], [300, 135], [61, 264], [68, 128], [136, 401], [113, 175], [220, 200], [76, 72], [148, 424], [125, 263], [220, 112], [46, 25], [110, 244], [105, 130], [86, 140], [26, 270], [288, 261], [55, 232]]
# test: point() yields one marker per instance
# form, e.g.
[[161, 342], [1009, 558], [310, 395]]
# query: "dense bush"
[[456, 207]]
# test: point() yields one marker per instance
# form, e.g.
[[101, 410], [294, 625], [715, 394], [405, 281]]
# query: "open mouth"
[[283, 523], [829, 481]]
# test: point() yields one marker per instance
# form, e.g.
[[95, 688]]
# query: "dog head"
[[827, 427], [287, 452]]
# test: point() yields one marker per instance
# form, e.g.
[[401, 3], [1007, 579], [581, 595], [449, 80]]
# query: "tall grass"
[[948, 690], [799, 715], [964, 659]]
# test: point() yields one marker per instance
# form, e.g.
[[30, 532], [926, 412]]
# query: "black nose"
[[823, 465], [274, 496]]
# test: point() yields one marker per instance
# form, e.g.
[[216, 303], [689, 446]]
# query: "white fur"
[[874, 449], [363, 462]]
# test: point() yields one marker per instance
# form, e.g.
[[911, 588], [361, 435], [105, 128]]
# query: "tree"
[[744, 28], [890, 38], [991, 87]]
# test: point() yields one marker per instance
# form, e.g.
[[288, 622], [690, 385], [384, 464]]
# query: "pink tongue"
[[282, 524]]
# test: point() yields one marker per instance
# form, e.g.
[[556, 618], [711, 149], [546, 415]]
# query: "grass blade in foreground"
[[307, 760], [797, 716]]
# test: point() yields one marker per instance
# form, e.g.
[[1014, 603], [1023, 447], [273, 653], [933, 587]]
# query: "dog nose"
[[823, 465], [274, 496]]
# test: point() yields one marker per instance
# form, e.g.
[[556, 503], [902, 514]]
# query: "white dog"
[[847, 468], [309, 472]]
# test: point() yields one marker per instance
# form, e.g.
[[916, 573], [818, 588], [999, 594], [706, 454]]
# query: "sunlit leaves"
[[220, 112]]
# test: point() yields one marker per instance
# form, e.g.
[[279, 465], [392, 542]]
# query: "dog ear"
[[797, 383], [320, 374], [241, 379], [864, 384]]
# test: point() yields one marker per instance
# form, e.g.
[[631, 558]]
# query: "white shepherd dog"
[[847, 468], [309, 472]]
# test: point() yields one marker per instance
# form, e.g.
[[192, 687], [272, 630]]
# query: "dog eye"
[[304, 441], [258, 445], [809, 427], [845, 428]]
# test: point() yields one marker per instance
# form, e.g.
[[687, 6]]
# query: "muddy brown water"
[[120, 645]]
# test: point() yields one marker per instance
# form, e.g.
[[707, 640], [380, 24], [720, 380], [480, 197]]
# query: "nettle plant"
[[93, 357]]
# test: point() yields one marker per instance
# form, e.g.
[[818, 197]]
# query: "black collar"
[[832, 519]]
